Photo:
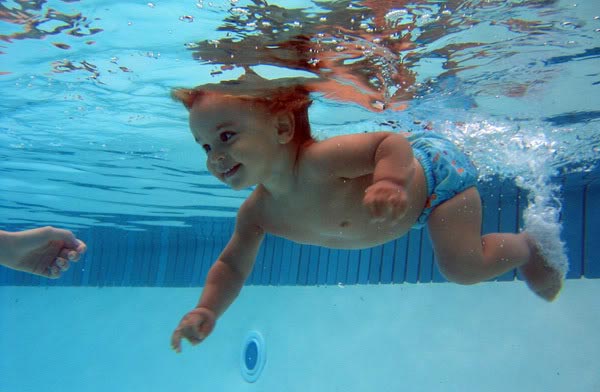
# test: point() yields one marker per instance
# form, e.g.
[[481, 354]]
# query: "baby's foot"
[[541, 277]]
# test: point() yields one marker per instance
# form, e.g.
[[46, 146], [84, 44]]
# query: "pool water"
[[91, 141]]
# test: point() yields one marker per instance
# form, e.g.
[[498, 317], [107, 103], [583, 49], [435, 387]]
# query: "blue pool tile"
[[375, 265], [287, 259], [573, 222], [400, 257], [342, 266], [387, 262], [278, 259], [591, 264], [363, 266], [322, 265], [508, 217], [313, 265], [303, 265], [332, 267], [413, 256], [426, 260], [353, 265], [267, 263]]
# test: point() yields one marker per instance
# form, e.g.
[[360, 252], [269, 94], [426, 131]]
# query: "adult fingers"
[[73, 254], [62, 264], [81, 247], [66, 236], [52, 272]]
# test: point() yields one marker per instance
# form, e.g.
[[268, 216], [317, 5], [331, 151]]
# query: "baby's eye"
[[206, 147], [226, 136]]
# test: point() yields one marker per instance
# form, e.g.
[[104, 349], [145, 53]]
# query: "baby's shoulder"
[[313, 162], [257, 207], [339, 151], [319, 153], [250, 210]]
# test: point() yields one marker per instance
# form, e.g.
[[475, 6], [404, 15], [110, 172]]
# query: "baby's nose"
[[217, 157]]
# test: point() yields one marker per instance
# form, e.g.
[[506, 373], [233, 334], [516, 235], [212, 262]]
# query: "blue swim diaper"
[[448, 170]]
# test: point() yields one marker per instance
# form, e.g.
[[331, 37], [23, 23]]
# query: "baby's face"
[[239, 138]]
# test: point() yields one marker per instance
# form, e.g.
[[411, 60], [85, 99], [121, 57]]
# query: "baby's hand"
[[194, 326], [386, 201]]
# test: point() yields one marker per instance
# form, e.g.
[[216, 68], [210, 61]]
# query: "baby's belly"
[[364, 235], [337, 218]]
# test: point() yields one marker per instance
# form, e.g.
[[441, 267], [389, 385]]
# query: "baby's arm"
[[394, 169], [223, 282], [388, 157]]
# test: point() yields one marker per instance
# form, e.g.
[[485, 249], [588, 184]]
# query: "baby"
[[348, 192]]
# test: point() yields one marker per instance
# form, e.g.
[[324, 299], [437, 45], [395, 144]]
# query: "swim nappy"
[[448, 171]]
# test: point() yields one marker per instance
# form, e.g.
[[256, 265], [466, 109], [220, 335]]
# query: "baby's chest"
[[331, 210]]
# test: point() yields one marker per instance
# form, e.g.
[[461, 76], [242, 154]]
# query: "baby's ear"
[[185, 95], [285, 127]]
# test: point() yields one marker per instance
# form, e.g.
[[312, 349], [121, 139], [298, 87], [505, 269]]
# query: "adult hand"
[[45, 251]]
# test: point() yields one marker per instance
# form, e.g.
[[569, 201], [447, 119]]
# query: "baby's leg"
[[465, 257]]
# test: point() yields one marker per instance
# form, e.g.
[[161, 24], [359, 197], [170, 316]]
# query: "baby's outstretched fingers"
[[195, 327], [397, 205], [385, 200], [176, 340]]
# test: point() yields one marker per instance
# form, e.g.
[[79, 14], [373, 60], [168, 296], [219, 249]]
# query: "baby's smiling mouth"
[[231, 171]]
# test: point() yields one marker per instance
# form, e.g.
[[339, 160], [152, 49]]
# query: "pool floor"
[[420, 337]]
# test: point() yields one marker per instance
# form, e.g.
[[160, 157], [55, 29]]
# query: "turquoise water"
[[89, 131], [89, 138]]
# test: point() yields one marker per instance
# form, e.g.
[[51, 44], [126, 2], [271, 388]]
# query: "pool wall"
[[121, 254]]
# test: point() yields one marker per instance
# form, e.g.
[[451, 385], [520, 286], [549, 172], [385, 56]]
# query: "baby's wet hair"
[[276, 96]]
